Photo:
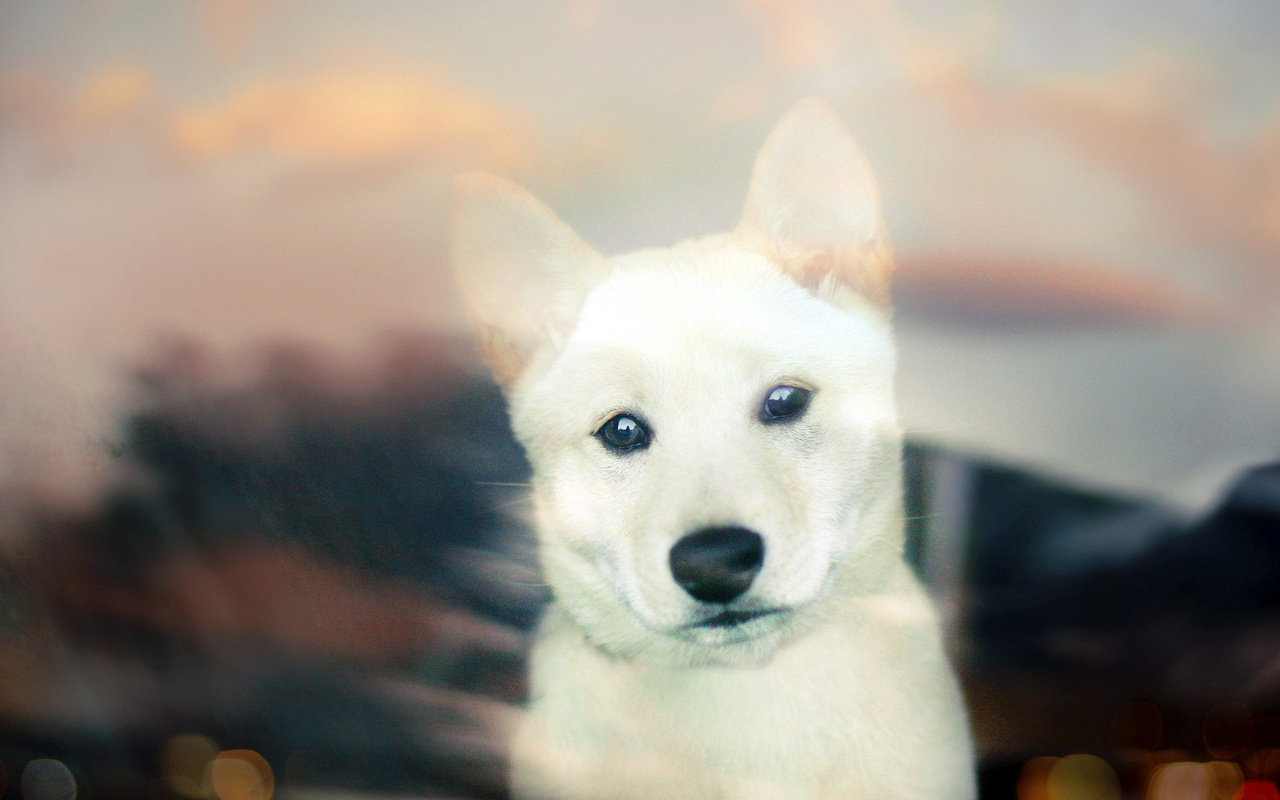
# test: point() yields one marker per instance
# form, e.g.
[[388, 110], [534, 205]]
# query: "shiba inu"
[[717, 493]]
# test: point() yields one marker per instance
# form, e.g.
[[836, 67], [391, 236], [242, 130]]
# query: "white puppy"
[[717, 487]]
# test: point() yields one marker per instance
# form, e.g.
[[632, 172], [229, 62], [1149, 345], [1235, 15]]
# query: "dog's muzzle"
[[717, 565]]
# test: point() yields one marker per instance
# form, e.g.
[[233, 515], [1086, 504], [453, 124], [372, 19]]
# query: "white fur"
[[844, 693]]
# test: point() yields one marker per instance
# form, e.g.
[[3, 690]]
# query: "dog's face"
[[712, 429]]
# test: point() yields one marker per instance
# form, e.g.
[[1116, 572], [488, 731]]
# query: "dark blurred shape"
[[1109, 625], [1227, 730], [1137, 726], [324, 566], [1065, 577]]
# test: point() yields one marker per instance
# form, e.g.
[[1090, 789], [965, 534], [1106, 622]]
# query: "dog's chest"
[[828, 711]]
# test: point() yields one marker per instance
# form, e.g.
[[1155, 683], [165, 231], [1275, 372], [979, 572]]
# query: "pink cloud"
[[984, 291], [797, 33], [355, 117], [1146, 122], [112, 96]]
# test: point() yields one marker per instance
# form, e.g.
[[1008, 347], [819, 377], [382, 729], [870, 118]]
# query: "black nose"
[[715, 565]]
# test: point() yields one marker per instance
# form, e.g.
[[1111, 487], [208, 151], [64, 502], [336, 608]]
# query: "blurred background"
[[260, 521]]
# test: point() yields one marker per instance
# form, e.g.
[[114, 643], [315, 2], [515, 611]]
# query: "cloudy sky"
[[1085, 197]]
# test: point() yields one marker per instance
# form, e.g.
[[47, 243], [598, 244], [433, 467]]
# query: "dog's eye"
[[623, 433], [784, 402]]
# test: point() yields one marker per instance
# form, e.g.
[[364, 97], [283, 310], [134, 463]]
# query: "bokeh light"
[[184, 761], [1257, 790], [1225, 779], [48, 779], [1033, 781], [241, 775], [1185, 780], [1082, 777]]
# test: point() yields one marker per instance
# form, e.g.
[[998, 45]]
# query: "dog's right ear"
[[523, 273], [814, 210]]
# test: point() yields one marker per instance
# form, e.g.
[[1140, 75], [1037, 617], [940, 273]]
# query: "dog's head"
[[711, 426]]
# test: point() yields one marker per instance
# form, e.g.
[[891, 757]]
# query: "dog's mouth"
[[732, 619]]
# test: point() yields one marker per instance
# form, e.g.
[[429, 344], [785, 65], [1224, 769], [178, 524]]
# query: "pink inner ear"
[[505, 357], [865, 271], [874, 271], [817, 267]]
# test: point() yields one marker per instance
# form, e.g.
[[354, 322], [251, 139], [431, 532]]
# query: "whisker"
[[933, 515], [513, 502]]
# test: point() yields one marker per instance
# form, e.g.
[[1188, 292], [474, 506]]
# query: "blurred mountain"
[[324, 565]]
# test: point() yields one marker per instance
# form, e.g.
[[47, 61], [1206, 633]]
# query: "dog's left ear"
[[814, 210]]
